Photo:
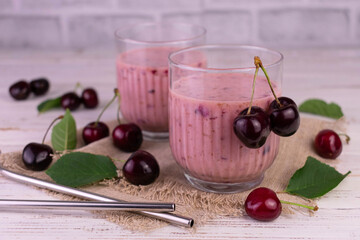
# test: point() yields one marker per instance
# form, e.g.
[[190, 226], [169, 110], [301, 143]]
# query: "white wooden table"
[[333, 75]]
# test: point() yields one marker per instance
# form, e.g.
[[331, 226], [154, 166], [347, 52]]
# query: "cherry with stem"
[[127, 137], [88, 97], [283, 111], [328, 143], [38, 156], [97, 130], [252, 125], [71, 100], [263, 204]]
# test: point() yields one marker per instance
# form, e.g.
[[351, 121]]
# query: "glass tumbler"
[[203, 103], [142, 71]]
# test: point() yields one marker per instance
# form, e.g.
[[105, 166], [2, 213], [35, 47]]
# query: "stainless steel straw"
[[168, 217], [75, 205]]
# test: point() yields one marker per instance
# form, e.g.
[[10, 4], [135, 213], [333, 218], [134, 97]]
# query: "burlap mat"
[[171, 186]]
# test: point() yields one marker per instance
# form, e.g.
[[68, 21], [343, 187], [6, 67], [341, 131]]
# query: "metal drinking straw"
[[76, 205], [168, 217]]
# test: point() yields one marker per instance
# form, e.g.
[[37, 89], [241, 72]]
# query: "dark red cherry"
[[89, 98], [252, 129], [284, 119], [36, 156], [20, 90], [127, 137], [70, 100], [263, 204], [95, 131], [141, 168], [328, 144], [39, 86]]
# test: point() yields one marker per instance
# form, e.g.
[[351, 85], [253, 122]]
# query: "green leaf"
[[63, 136], [78, 169], [320, 107], [49, 104], [314, 179]]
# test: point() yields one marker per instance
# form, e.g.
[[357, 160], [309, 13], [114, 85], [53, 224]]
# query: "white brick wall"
[[91, 31], [29, 31], [304, 26], [84, 24], [228, 26], [55, 4]]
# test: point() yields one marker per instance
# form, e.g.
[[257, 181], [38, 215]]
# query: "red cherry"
[[36, 156], [328, 144], [252, 128], [89, 98], [95, 131], [20, 90], [127, 137], [39, 86], [284, 119], [263, 204], [141, 168], [70, 100]]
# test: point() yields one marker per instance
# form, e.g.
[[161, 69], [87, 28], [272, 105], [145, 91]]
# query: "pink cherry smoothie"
[[202, 111], [143, 85]]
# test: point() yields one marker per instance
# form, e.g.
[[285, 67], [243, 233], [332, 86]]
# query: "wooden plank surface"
[[333, 75]]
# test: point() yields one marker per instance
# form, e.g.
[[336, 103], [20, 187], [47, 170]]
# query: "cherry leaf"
[[63, 136], [320, 107], [314, 179], [49, 104], [78, 169]]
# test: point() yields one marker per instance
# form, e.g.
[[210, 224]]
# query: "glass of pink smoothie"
[[203, 103], [142, 71]]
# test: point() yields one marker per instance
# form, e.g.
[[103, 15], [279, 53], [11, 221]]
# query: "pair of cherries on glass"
[[253, 125]]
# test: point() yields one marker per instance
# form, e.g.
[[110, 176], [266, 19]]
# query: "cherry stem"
[[267, 78], [253, 86], [117, 115], [117, 160], [118, 110], [116, 93], [78, 85], [301, 205], [347, 137], [52, 123]]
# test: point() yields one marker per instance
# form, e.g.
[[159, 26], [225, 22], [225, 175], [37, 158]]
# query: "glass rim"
[[119, 36], [224, 46]]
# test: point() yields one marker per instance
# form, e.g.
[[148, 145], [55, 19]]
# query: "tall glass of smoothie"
[[142, 71], [203, 103]]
